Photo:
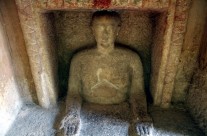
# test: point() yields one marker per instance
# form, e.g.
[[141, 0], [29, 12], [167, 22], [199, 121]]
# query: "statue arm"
[[138, 101], [71, 121], [74, 100]]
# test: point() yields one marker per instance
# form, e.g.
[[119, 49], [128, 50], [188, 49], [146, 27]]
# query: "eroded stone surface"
[[30, 11], [10, 100], [106, 75], [33, 120], [179, 28], [196, 99], [49, 4], [27, 10], [70, 39], [197, 94], [188, 60], [38, 48]]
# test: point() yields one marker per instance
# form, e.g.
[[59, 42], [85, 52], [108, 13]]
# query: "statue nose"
[[106, 31]]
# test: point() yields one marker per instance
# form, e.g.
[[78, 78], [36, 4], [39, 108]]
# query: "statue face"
[[105, 31]]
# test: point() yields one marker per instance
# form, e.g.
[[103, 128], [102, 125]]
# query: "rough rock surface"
[[35, 121], [70, 39], [190, 50], [197, 97]]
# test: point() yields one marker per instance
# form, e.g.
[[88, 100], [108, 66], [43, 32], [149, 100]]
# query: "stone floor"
[[35, 121]]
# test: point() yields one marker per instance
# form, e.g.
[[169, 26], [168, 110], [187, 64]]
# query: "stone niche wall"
[[73, 33], [188, 60], [10, 101], [154, 29], [16, 82], [197, 96], [197, 93]]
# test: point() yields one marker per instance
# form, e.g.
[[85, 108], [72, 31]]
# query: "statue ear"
[[92, 30], [118, 29]]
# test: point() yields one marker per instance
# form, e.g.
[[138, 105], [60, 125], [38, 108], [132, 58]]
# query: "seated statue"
[[106, 75]]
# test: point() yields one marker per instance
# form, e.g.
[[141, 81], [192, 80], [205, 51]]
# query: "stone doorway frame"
[[166, 49]]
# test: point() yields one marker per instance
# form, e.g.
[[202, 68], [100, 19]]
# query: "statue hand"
[[71, 124], [143, 127]]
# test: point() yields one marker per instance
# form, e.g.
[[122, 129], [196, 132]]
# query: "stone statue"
[[106, 75]]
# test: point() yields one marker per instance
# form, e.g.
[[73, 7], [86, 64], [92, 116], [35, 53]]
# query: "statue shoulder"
[[82, 55], [127, 53]]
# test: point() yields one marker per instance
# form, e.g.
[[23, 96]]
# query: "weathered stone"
[[197, 93], [196, 98], [70, 39], [180, 17], [18, 51], [160, 52], [106, 75], [34, 120], [39, 51], [176, 13], [173, 63], [190, 51], [10, 100]]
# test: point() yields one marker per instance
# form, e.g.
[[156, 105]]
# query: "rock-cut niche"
[[73, 33]]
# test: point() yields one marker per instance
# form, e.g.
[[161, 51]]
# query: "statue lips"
[[105, 42], [104, 38]]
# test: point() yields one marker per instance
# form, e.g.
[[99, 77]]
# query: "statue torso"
[[105, 79]]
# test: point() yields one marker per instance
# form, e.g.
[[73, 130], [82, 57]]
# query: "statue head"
[[105, 26]]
